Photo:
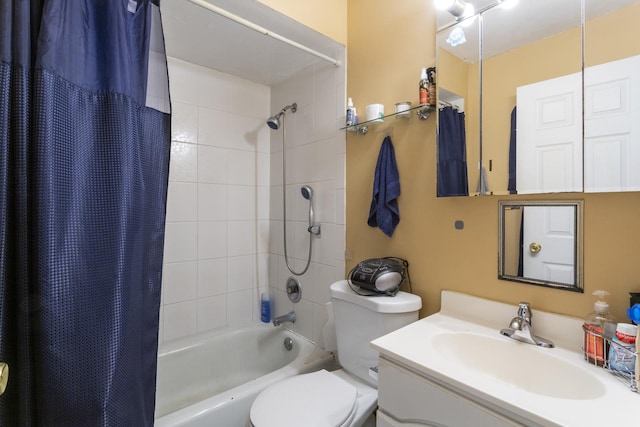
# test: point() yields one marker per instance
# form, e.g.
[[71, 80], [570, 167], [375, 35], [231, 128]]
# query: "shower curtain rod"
[[262, 30]]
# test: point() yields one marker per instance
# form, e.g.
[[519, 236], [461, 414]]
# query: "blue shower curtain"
[[452, 153], [83, 181]]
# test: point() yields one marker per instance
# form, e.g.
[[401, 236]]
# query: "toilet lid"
[[311, 400]]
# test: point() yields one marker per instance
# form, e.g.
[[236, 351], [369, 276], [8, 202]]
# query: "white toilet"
[[347, 396]]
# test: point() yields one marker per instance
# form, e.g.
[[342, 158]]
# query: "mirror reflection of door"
[[612, 126], [549, 142], [548, 251]]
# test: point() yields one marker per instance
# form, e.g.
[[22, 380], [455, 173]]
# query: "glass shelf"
[[422, 111]]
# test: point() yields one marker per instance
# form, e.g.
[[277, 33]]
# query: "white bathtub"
[[212, 380]]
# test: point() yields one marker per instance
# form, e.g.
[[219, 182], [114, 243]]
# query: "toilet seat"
[[313, 400]]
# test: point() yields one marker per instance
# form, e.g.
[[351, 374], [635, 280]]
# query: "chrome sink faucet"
[[289, 317], [521, 328]]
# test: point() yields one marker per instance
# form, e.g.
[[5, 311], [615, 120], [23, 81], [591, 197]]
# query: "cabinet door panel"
[[410, 398]]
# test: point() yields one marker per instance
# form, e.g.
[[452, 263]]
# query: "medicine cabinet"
[[518, 71]]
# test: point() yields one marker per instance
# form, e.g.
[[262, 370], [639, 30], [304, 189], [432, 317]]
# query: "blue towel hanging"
[[384, 211]]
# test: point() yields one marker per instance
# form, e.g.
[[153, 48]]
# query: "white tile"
[[184, 162], [263, 237], [212, 239], [242, 202], [324, 79], [241, 273], [241, 167], [329, 244], [180, 320], [179, 282], [212, 127], [340, 207], [184, 122], [182, 202], [304, 318], [320, 317], [214, 89], [212, 277], [240, 307], [241, 238], [299, 127], [212, 202], [180, 241], [324, 159], [273, 271], [341, 169], [212, 165], [262, 169], [212, 313], [183, 81], [275, 203], [324, 201], [244, 130], [324, 116], [323, 276], [275, 168], [262, 200], [263, 271], [263, 136]]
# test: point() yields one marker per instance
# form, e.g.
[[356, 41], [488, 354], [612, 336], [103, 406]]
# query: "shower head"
[[307, 192], [274, 121]]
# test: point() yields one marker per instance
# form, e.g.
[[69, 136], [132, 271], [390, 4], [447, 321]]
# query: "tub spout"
[[289, 317]]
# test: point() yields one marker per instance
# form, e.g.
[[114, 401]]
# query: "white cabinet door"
[[549, 136], [612, 126], [408, 399]]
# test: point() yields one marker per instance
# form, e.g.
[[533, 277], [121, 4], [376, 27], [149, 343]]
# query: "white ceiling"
[[529, 21], [200, 36]]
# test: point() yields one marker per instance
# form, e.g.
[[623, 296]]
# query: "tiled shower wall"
[[223, 244], [314, 156], [217, 201]]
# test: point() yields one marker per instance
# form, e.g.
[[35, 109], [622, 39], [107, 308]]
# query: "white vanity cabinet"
[[408, 399]]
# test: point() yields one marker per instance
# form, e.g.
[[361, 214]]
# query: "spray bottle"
[[431, 86], [598, 324], [423, 88], [265, 308], [351, 112]]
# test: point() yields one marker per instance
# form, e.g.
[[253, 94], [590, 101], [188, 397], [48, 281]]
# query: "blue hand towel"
[[384, 211]]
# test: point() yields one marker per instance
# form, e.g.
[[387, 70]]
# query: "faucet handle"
[[524, 311]]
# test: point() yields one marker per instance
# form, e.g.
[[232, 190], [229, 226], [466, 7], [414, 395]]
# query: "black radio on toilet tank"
[[379, 275]]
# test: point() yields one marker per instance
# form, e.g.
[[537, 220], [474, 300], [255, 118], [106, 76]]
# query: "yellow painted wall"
[[388, 42], [328, 17]]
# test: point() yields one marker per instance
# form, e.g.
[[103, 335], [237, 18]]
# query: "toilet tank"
[[361, 319]]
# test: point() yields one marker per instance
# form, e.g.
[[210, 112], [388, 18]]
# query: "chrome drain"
[[288, 343]]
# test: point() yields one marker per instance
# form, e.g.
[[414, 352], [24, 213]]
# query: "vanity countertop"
[[546, 386]]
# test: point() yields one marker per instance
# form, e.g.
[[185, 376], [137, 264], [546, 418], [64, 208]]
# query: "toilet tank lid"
[[403, 302]]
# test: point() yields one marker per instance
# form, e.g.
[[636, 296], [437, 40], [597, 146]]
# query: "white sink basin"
[[518, 364]]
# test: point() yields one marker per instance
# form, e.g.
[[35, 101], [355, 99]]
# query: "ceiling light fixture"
[[457, 8]]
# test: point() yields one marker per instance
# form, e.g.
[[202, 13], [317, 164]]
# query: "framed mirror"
[[541, 67], [540, 243], [458, 83]]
